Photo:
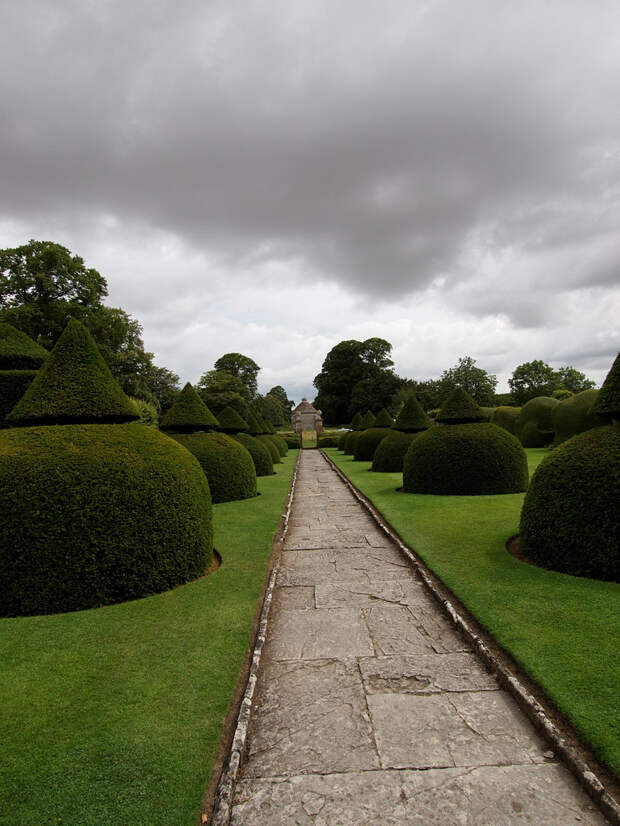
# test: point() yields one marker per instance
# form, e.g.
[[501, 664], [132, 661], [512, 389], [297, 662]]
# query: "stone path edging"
[[537, 715], [225, 789]]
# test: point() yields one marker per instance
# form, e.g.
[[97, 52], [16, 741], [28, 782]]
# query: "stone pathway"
[[370, 709]]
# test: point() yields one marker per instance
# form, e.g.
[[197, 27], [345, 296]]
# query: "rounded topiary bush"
[[351, 441], [570, 519], [329, 441], [95, 514], [265, 439], [573, 416], [465, 460], [227, 464], [390, 452], [291, 439], [506, 417], [534, 425], [279, 443], [342, 439], [367, 442], [263, 463]]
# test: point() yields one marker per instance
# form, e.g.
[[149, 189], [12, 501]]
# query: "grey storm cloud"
[[384, 145]]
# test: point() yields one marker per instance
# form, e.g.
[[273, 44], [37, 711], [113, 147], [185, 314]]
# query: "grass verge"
[[563, 630], [114, 715]]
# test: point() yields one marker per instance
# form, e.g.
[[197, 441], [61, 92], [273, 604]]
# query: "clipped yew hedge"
[[96, 514], [367, 442], [342, 439], [573, 415], [506, 417], [279, 443], [227, 464], [265, 439], [465, 460], [534, 425], [570, 520], [351, 441], [261, 456], [390, 452]]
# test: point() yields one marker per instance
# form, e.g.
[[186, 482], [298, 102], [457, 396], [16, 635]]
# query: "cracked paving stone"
[[394, 630], [336, 633], [299, 597], [309, 716], [443, 730], [320, 539], [425, 674], [338, 594], [493, 796]]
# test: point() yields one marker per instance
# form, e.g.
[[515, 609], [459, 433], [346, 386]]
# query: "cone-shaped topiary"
[[94, 513], [506, 417], [534, 425], [465, 460], [73, 386], [572, 416], [263, 425], [226, 463], [608, 401], [254, 426], [390, 452], [229, 421], [261, 456], [356, 421], [412, 418], [273, 450], [18, 351], [460, 408], [570, 519], [368, 420], [188, 413], [383, 419]]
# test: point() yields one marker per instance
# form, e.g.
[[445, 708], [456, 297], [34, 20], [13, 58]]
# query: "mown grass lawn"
[[563, 630], [114, 715]]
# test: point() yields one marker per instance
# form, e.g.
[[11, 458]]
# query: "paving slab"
[[311, 635], [425, 674]]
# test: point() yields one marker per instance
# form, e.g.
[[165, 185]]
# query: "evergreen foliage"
[[279, 443], [95, 514], [342, 439], [229, 421], [254, 426], [390, 452], [569, 520], [506, 417], [383, 419], [261, 456], [534, 425], [226, 463], [368, 420], [351, 441], [465, 460], [356, 420], [411, 418], [18, 351], [74, 385], [13, 385], [460, 408], [328, 440], [608, 401], [188, 413], [265, 439], [573, 415], [367, 442]]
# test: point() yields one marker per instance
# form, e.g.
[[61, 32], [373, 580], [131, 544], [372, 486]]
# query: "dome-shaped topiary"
[[368, 420], [95, 514], [356, 420], [506, 417], [265, 439], [534, 425], [342, 439], [383, 419], [229, 421], [350, 442], [608, 401], [18, 351], [570, 520], [227, 464], [573, 416], [465, 460], [261, 456], [279, 443], [188, 413], [412, 418], [367, 442], [73, 386], [459, 408], [390, 452]]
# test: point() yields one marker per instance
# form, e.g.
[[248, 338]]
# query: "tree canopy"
[[537, 378], [475, 381], [242, 367]]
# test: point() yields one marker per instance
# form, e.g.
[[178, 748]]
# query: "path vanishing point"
[[370, 709]]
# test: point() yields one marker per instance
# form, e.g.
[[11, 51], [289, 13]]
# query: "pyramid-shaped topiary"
[[94, 513], [411, 418], [188, 413], [383, 419], [356, 421], [368, 420], [608, 402], [369, 440], [460, 408], [20, 358], [74, 386], [231, 422], [254, 426]]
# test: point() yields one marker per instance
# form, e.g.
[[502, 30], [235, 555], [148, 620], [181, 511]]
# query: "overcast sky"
[[274, 177]]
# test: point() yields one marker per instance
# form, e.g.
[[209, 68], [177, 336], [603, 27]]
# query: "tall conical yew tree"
[[412, 418], [188, 413]]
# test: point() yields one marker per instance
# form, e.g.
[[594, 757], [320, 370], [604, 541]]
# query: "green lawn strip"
[[563, 630], [114, 715]]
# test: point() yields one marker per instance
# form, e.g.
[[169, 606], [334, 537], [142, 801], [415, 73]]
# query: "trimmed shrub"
[[147, 412], [97, 514], [368, 420], [390, 452], [411, 418], [356, 420], [562, 393], [229, 421], [459, 408], [18, 351], [351, 441], [367, 443], [227, 464], [329, 441], [465, 460], [261, 456], [13, 385], [506, 417], [279, 443], [254, 426], [188, 413], [273, 450], [570, 518], [291, 439], [534, 425], [487, 413], [573, 416], [73, 386], [342, 439], [383, 419], [608, 401]]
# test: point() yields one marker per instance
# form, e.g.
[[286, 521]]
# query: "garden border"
[[222, 807], [497, 663]]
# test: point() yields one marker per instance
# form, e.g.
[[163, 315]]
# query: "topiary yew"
[[356, 420], [573, 416], [460, 408], [412, 418], [608, 402], [383, 419], [506, 417], [20, 358], [534, 425], [266, 440], [279, 443], [226, 463], [368, 420], [229, 421], [94, 513], [254, 426], [188, 413], [261, 456], [390, 452]]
